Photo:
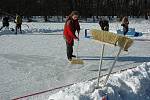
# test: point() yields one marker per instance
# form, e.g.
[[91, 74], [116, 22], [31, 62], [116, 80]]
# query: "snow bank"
[[29, 31], [132, 84], [34, 27]]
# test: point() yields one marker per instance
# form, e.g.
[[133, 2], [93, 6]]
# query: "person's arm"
[[123, 22], [15, 21], [127, 21], [70, 31], [77, 26]]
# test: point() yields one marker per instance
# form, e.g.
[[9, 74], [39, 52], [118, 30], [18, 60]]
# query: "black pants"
[[69, 50], [1, 27], [125, 30], [18, 26]]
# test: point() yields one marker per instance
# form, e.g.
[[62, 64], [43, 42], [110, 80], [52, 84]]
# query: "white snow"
[[132, 84], [36, 61]]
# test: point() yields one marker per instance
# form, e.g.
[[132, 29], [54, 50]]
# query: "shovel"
[[77, 60]]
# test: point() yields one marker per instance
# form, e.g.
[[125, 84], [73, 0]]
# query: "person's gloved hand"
[[77, 39]]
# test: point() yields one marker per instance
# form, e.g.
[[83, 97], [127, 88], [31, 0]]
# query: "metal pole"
[[105, 82], [77, 47], [100, 64]]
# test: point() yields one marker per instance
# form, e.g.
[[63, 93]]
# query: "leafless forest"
[[86, 8]]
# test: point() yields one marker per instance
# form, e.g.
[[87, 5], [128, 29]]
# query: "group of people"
[[72, 25], [18, 21], [104, 24]]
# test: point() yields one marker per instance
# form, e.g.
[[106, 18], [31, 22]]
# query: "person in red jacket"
[[71, 26]]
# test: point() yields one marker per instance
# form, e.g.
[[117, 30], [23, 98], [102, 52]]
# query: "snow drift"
[[132, 84]]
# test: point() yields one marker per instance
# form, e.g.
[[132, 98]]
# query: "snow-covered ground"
[[133, 84], [36, 60]]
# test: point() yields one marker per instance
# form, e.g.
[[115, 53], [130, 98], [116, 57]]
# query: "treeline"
[[85, 7]]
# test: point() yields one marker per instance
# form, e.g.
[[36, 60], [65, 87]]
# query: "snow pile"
[[34, 27], [132, 84], [41, 30], [29, 31]]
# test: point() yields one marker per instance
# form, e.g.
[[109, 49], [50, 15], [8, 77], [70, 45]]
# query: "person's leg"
[[73, 56], [106, 28], [72, 50], [7, 26], [1, 27], [20, 28], [69, 51], [102, 27], [16, 29], [125, 30]]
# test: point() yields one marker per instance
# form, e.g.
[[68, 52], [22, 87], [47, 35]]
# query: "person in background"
[[5, 22], [70, 27], [125, 24], [18, 22], [104, 23]]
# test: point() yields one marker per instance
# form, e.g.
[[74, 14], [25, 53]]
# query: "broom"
[[77, 60]]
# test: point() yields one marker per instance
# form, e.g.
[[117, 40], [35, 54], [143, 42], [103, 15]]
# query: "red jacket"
[[69, 30]]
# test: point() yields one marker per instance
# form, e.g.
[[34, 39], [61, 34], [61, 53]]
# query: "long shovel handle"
[[100, 64], [77, 46], [116, 58]]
